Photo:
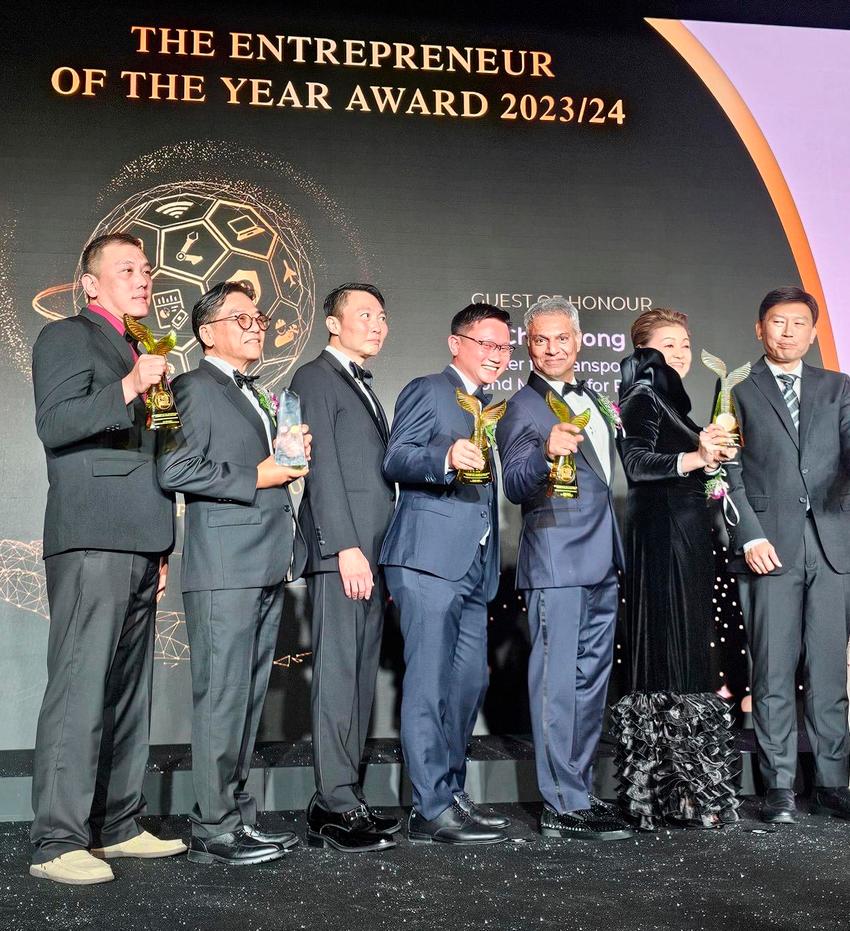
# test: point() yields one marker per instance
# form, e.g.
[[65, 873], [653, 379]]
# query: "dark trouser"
[[572, 644], [444, 625], [805, 609], [232, 638], [91, 746], [346, 650]]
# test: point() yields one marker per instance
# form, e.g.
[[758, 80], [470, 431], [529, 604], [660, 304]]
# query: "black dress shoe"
[[835, 802], [486, 817], [286, 840], [453, 826], [237, 848], [778, 807], [349, 831], [383, 824], [585, 824]]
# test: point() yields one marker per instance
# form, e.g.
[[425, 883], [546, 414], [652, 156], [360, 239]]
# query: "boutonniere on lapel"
[[269, 402], [611, 412]]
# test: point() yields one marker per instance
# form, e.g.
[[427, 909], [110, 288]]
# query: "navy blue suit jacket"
[[563, 542], [438, 523]]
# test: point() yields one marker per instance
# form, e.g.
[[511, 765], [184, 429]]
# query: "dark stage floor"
[[795, 878]]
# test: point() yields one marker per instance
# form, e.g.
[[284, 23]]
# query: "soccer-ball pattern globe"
[[198, 233]]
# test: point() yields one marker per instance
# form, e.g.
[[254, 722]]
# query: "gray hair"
[[549, 307]]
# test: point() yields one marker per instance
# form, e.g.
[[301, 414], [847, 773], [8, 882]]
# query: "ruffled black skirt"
[[675, 758]]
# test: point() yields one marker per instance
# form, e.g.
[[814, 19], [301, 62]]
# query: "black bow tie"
[[577, 388], [485, 399], [360, 373], [242, 380]]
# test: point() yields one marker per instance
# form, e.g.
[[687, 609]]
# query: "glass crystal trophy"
[[289, 447], [485, 419], [563, 476], [159, 400], [724, 407]]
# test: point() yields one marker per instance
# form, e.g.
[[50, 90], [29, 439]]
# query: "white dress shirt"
[[345, 361]]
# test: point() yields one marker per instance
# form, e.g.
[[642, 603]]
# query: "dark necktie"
[[133, 344], [790, 397], [364, 376]]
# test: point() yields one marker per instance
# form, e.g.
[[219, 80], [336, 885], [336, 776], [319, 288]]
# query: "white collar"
[[777, 371], [470, 386], [344, 360], [557, 386], [220, 364]]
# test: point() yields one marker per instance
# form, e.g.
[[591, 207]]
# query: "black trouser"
[[232, 638], [804, 609], [346, 651], [92, 741]]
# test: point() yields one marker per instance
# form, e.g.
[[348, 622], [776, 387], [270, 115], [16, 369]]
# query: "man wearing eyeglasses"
[[441, 559], [567, 562], [241, 542]]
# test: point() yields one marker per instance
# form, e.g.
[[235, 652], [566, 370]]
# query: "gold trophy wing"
[[140, 333], [559, 407], [468, 403], [493, 414], [717, 365], [738, 375], [581, 420], [164, 345]]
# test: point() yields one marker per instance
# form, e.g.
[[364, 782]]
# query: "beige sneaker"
[[144, 846], [76, 868]]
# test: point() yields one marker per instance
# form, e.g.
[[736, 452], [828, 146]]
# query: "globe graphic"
[[198, 233]]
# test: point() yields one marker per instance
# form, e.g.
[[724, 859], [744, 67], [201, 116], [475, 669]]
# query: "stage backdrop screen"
[[655, 163]]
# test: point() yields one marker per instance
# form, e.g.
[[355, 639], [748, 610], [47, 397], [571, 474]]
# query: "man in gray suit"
[[240, 545], [107, 531], [345, 512], [791, 486], [567, 562], [441, 559]]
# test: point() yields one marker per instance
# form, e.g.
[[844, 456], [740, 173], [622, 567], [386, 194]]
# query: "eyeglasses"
[[246, 321], [489, 346]]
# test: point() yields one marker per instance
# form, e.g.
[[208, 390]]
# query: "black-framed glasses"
[[246, 321], [489, 346]]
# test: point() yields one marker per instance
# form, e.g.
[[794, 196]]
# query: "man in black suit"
[[240, 545], [345, 512], [107, 531], [791, 485]]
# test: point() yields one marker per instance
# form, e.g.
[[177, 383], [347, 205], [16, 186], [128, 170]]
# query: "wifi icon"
[[176, 208]]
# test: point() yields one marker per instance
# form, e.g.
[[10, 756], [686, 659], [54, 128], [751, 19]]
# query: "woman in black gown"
[[675, 754]]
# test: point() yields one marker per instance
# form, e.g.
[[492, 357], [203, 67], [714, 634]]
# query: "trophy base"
[[474, 477], [165, 420], [559, 490]]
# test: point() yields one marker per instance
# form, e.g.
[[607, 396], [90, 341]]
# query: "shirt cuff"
[[679, 459], [751, 543]]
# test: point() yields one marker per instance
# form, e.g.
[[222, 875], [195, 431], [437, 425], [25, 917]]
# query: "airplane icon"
[[290, 275]]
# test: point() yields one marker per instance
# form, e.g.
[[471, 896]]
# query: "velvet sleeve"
[[641, 415]]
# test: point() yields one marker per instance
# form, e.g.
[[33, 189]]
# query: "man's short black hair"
[[336, 299], [789, 295], [209, 303], [92, 252], [472, 313]]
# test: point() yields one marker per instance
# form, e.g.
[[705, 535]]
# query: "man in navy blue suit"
[[567, 562], [441, 558]]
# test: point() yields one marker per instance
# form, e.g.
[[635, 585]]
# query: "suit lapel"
[[118, 355], [457, 382], [586, 450], [379, 419], [239, 401], [764, 380], [810, 383]]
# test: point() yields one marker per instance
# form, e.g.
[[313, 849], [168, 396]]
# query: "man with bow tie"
[[241, 543], [441, 559], [567, 562], [345, 512]]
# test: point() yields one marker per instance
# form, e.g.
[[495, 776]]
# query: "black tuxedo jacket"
[[103, 492], [236, 535], [778, 470], [347, 501]]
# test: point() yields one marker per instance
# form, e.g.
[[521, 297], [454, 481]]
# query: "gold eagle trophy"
[[162, 412], [485, 419], [724, 407], [563, 477]]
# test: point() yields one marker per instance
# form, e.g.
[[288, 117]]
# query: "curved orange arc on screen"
[[724, 91]]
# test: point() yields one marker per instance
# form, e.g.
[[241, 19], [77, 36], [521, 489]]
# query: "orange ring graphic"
[[724, 91]]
